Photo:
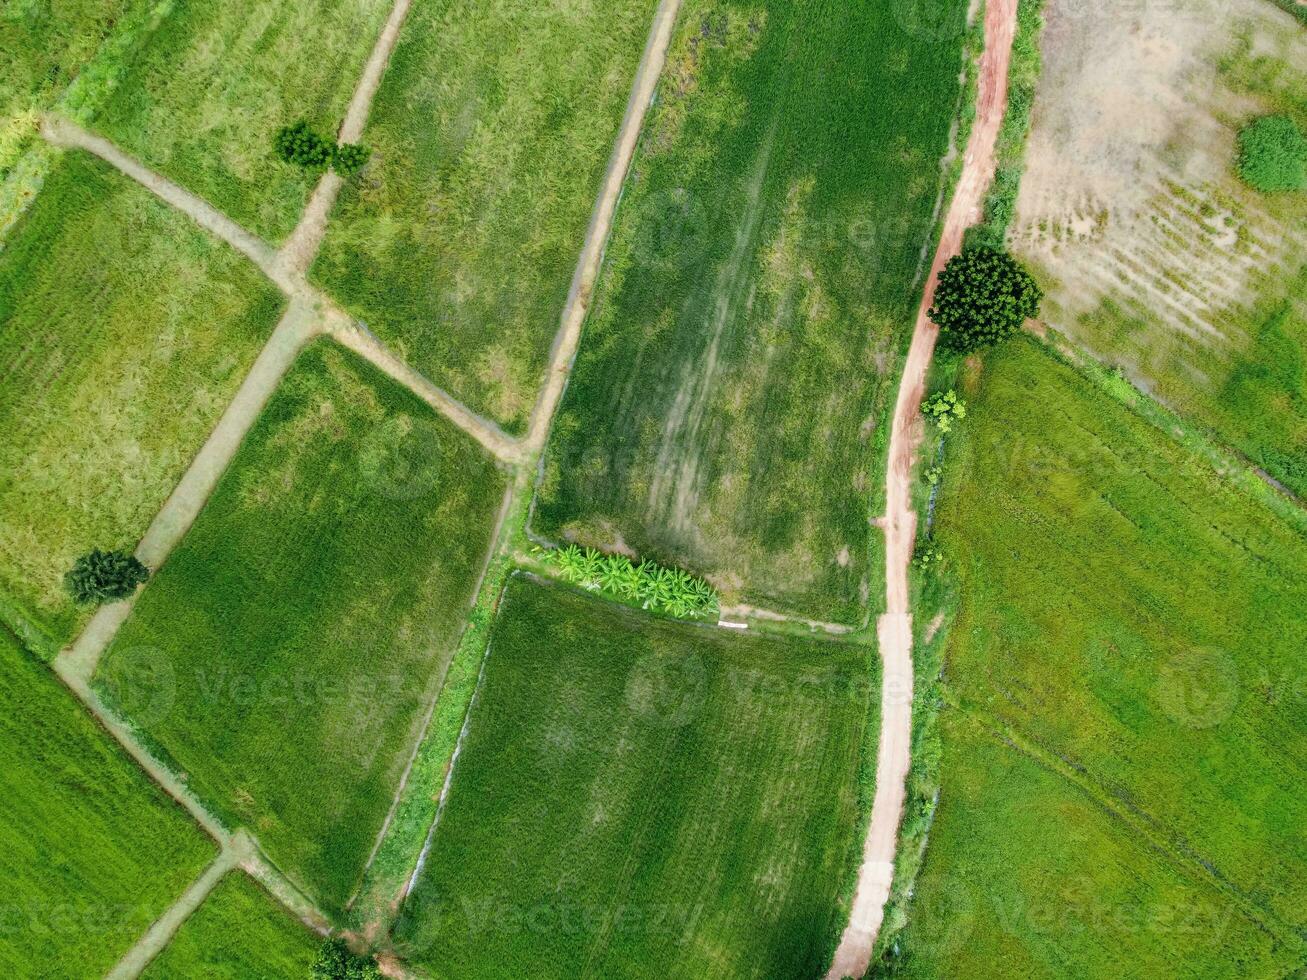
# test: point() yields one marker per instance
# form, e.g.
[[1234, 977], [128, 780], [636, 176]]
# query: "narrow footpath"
[[894, 628]]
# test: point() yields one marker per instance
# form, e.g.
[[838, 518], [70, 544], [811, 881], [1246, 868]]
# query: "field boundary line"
[[300, 323], [65, 134], [161, 931], [894, 628], [161, 774], [568, 338], [352, 334], [302, 245], [439, 684], [1175, 849]]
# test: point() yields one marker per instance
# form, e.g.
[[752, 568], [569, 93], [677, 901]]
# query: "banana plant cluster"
[[666, 590]]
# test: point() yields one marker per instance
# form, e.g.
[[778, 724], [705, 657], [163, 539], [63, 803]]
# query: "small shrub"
[[667, 590], [932, 475], [300, 145], [1273, 154], [336, 962], [927, 556], [349, 158], [983, 296], [103, 576], [943, 408]]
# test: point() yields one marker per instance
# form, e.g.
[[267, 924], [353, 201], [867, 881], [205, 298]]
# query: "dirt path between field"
[[568, 337], [894, 628], [302, 246], [63, 133], [352, 334]]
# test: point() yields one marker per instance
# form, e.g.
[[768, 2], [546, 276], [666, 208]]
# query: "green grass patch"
[[646, 797], [285, 656], [1028, 876], [238, 933], [1135, 615], [490, 136], [763, 272], [124, 332], [203, 99], [91, 851]]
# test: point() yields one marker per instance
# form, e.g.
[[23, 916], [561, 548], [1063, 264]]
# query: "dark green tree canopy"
[[300, 145], [102, 576], [349, 158], [336, 962], [983, 296], [1273, 154]]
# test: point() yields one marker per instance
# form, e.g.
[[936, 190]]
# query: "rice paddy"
[[490, 135], [124, 332], [645, 797], [285, 655], [724, 409]]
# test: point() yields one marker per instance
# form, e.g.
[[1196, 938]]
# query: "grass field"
[[763, 271], [491, 132], [1136, 619], [1028, 876], [284, 656], [91, 851], [124, 331], [1153, 253], [239, 933], [203, 98], [43, 46], [646, 798]]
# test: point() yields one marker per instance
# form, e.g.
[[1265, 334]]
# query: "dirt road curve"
[[894, 629]]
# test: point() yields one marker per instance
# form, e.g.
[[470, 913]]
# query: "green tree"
[[349, 158], [983, 296], [336, 962], [300, 145], [1273, 154], [102, 576]]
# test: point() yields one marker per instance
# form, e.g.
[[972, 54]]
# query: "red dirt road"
[[894, 628]]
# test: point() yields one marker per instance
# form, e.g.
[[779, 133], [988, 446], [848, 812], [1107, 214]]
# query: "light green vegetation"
[[1026, 875], [239, 933], [285, 656], [44, 44], [763, 272], [203, 99], [1194, 283], [670, 591], [91, 851], [490, 133], [1131, 621], [124, 332], [645, 797]]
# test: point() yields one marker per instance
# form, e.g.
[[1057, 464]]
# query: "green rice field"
[[1026, 875], [725, 409], [91, 851], [646, 798], [124, 332], [239, 933], [202, 99], [285, 655], [1132, 618], [491, 132]]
